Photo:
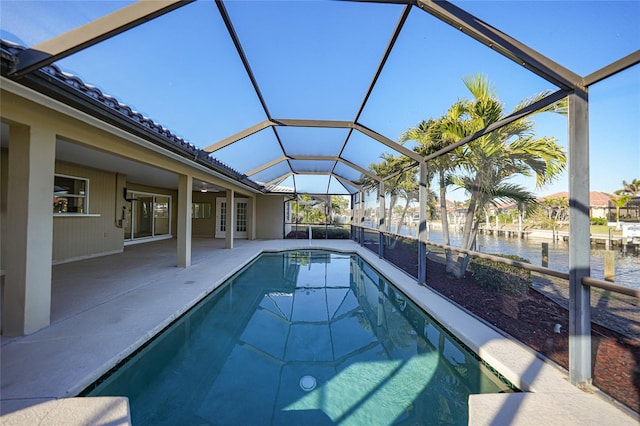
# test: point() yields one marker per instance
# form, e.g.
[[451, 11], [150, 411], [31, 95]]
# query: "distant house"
[[500, 208], [455, 213], [599, 202]]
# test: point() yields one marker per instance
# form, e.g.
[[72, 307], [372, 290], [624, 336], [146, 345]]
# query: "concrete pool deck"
[[104, 308]]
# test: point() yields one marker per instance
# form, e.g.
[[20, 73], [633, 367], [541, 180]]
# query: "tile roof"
[[279, 189], [596, 198], [75, 84]]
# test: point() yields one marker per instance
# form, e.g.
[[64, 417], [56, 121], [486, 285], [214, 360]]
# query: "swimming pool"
[[302, 337]]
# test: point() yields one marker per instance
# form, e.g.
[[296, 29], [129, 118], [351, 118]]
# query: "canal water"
[[627, 264]]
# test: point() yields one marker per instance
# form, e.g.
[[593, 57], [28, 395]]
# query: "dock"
[[609, 242]]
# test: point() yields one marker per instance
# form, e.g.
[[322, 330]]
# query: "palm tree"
[[488, 162], [306, 210], [631, 189], [557, 208], [403, 184], [431, 137], [421, 135], [337, 205], [620, 201]]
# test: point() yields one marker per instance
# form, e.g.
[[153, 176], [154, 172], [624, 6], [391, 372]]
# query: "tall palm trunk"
[[391, 241], [392, 204], [468, 237], [445, 221], [404, 214], [463, 260]]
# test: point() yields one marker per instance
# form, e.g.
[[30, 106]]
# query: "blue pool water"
[[304, 337]]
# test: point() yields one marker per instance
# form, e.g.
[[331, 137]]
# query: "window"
[[70, 195], [201, 210]]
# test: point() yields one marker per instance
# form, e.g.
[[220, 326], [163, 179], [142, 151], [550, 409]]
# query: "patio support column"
[[361, 210], [27, 293], [230, 224], [361, 217], [185, 192], [251, 220], [422, 225], [579, 240], [352, 204], [355, 220], [382, 227], [356, 216]]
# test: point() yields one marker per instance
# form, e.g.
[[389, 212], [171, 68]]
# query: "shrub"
[[320, 233], [298, 235], [598, 221], [500, 276]]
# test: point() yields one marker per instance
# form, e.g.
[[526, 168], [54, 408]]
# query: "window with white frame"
[[201, 210], [70, 195]]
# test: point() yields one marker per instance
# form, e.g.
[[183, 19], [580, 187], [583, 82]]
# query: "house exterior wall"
[[82, 236], [3, 223], [598, 211], [269, 216], [3, 205], [205, 227]]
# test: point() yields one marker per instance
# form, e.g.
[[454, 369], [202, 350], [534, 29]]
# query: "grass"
[[604, 230]]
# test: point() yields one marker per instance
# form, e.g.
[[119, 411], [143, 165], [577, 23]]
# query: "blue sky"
[[316, 59]]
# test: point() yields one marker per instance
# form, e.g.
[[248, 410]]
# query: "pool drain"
[[308, 383]]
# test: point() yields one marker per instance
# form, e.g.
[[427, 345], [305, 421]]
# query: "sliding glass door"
[[148, 216]]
